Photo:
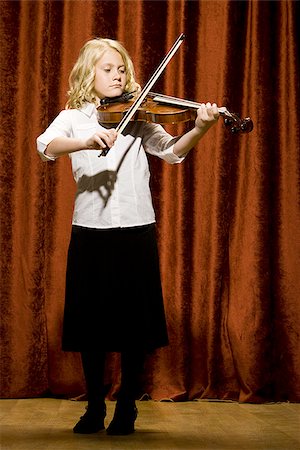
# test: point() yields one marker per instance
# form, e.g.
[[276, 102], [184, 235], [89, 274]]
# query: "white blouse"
[[112, 191]]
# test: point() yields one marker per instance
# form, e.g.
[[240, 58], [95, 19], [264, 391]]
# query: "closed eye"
[[120, 69]]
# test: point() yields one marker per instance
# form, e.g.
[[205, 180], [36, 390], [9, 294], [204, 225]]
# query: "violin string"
[[182, 102]]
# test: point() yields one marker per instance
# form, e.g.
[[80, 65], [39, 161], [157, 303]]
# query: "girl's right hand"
[[101, 139]]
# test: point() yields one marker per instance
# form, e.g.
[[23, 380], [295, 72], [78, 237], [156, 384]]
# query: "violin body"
[[149, 111]]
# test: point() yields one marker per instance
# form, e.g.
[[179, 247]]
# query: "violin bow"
[[144, 92]]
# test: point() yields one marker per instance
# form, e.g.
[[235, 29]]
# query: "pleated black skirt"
[[113, 291]]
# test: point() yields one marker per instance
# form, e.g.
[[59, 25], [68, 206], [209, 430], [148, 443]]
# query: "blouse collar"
[[88, 109]]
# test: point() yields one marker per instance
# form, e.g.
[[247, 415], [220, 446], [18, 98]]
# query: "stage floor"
[[46, 424]]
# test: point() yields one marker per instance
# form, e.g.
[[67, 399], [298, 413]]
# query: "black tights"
[[93, 368], [132, 365]]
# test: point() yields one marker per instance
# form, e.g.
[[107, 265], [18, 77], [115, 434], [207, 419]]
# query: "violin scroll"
[[235, 124]]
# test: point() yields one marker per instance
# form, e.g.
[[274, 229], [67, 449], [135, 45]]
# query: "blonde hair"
[[82, 77]]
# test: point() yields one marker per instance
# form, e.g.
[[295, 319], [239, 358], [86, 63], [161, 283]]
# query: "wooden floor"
[[40, 424]]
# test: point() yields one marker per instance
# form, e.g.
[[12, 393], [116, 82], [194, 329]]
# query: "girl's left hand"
[[207, 115]]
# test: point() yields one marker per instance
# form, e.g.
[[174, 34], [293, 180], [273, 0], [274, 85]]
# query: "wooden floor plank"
[[46, 424]]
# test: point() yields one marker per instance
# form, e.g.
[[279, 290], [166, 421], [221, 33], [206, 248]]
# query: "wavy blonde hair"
[[82, 76]]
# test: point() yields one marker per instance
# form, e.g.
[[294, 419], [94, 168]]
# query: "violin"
[[157, 108], [164, 109]]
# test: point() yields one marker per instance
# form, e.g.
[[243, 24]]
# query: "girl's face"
[[110, 77]]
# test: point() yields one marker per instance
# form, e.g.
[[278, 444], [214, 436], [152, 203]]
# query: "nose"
[[116, 74]]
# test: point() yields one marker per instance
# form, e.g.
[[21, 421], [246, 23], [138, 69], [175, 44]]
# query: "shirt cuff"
[[171, 158], [41, 147]]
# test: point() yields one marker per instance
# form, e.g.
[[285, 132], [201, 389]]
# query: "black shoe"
[[90, 422], [123, 420]]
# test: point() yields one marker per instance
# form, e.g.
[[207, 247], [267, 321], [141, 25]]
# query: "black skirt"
[[113, 291]]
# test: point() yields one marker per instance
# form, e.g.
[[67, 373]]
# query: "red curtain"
[[228, 217]]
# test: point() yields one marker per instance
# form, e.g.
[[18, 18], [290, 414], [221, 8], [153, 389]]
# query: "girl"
[[113, 290]]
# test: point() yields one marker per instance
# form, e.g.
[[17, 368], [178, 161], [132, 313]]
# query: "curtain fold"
[[228, 217]]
